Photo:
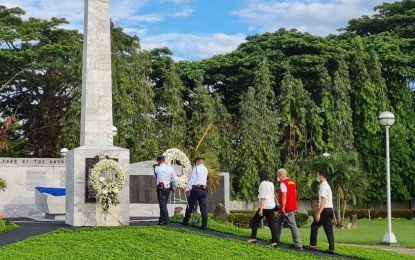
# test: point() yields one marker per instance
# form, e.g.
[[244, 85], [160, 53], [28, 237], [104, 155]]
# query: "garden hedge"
[[242, 218], [375, 213]]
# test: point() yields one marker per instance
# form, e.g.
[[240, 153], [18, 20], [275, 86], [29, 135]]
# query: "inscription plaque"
[[35, 179]]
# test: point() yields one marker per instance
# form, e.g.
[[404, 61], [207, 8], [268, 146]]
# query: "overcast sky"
[[198, 29]]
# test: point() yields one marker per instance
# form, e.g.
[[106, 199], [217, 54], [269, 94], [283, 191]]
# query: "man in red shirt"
[[287, 199]]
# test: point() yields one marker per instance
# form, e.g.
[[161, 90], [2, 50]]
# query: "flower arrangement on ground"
[[107, 178], [172, 156]]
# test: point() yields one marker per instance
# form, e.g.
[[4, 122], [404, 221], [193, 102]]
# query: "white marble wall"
[[79, 213], [22, 175]]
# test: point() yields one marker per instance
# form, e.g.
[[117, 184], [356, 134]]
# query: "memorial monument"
[[96, 138]]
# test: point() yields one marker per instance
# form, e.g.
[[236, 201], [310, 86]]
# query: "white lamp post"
[[326, 154], [63, 152], [387, 119]]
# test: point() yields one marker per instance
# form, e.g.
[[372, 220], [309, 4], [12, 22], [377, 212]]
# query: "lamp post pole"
[[387, 119]]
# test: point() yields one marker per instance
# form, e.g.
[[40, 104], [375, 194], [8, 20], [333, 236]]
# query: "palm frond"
[[3, 184]]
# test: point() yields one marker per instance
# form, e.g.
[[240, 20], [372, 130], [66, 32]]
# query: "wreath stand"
[[179, 194]]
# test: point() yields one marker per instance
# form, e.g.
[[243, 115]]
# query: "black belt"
[[198, 186]]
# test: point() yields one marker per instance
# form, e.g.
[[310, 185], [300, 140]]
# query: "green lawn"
[[368, 232], [169, 243], [342, 249], [6, 226], [139, 243]]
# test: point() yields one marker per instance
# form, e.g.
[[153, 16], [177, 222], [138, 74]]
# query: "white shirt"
[[283, 187], [325, 191], [266, 191], [165, 174], [198, 177]]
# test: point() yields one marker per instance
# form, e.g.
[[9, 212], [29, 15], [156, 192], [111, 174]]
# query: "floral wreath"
[[107, 178], [174, 154]]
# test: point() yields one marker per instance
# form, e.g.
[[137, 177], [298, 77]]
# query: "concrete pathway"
[[397, 249]]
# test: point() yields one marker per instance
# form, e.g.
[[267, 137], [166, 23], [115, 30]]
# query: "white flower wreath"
[[174, 154], [107, 178]]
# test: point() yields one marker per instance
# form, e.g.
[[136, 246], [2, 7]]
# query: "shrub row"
[[375, 213], [242, 219]]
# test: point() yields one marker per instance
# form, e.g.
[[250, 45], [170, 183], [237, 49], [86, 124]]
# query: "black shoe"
[[298, 248], [311, 248], [184, 224], [159, 224], [331, 252], [203, 227]]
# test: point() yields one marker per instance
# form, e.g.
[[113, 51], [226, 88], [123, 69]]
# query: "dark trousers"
[[326, 218], [269, 214], [200, 195], [163, 198]]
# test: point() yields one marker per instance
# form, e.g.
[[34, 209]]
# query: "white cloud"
[[317, 17], [200, 46]]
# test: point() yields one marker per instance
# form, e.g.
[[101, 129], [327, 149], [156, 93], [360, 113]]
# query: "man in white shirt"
[[198, 192], [166, 179], [324, 215]]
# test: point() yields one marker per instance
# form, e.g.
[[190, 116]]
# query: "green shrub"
[[6, 226], [375, 213], [242, 219]]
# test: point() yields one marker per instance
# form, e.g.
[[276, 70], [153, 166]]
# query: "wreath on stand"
[[107, 178], [171, 156]]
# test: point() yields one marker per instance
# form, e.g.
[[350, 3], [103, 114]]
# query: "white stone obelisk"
[[96, 125], [96, 114]]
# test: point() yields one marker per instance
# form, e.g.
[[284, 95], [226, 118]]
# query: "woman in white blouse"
[[266, 198]]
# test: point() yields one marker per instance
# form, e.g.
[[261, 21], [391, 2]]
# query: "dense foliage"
[[279, 99]]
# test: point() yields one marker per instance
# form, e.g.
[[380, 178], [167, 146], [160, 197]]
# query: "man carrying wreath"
[[166, 182]]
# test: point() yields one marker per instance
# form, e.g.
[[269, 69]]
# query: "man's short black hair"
[[323, 173]]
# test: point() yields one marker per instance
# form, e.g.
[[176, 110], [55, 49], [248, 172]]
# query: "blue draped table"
[[51, 191]]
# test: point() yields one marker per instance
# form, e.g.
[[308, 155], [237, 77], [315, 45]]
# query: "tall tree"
[[344, 138], [300, 121], [171, 116], [202, 118], [40, 65], [134, 109], [366, 108], [258, 135]]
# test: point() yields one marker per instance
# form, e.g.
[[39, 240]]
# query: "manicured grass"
[[6, 226], [368, 232], [170, 243], [139, 243], [342, 249]]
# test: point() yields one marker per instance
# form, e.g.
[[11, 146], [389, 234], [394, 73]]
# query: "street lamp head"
[[386, 118], [63, 152], [114, 130], [326, 154]]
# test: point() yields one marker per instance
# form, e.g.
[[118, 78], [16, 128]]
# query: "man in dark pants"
[[324, 215], [198, 192], [166, 179]]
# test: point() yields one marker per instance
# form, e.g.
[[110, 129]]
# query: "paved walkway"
[[401, 250], [33, 227]]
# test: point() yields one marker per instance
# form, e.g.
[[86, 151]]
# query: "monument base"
[[78, 211]]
